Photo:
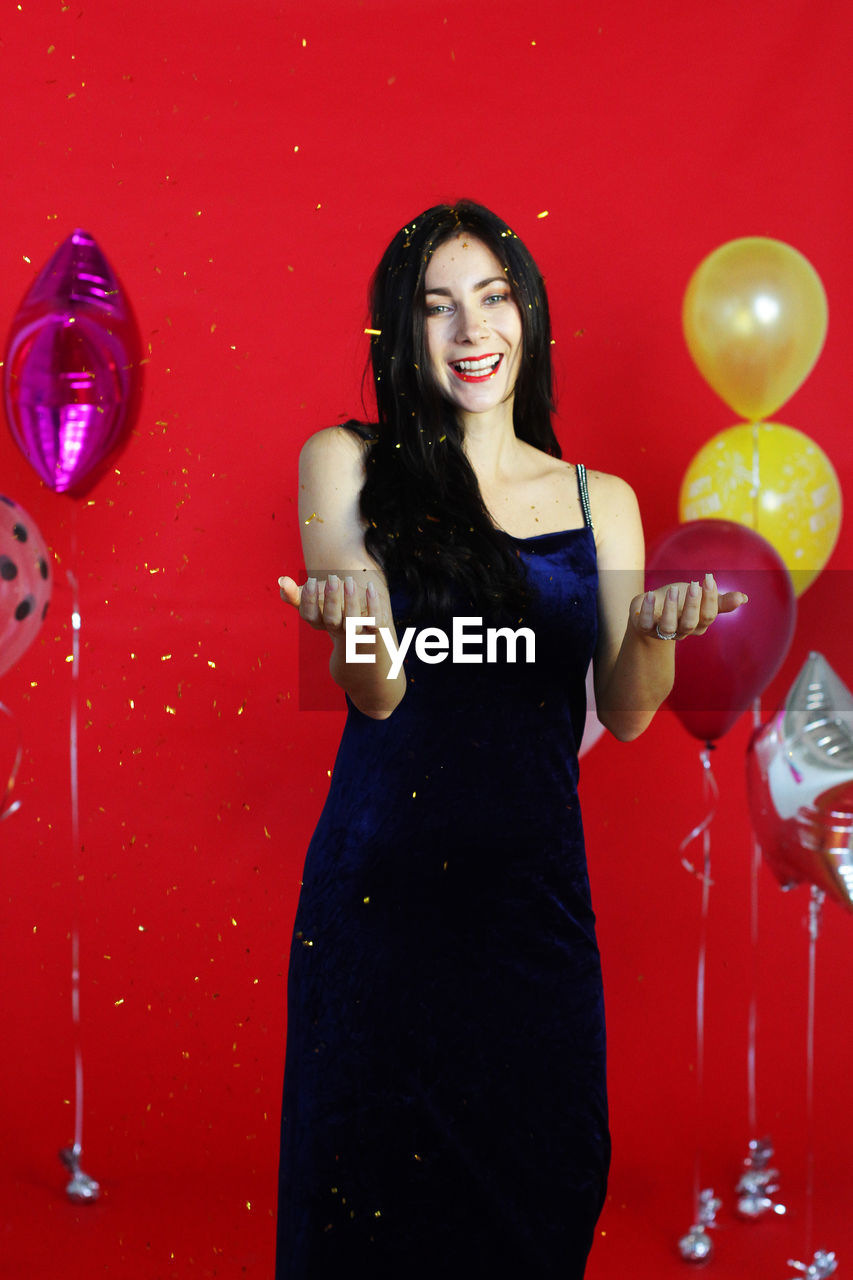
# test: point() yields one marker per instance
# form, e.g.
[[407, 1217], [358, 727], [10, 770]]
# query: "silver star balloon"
[[800, 782]]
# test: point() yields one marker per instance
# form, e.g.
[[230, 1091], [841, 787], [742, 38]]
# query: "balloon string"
[[752, 1025], [7, 805], [81, 1188], [711, 793], [815, 907], [75, 843]]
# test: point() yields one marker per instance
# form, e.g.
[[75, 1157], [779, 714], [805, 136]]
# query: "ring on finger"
[[665, 635]]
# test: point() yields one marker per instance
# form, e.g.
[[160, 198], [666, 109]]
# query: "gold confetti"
[[375, 332], [544, 213]]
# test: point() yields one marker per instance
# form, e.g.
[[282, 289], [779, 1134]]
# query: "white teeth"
[[477, 366]]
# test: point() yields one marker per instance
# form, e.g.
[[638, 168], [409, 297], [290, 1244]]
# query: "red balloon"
[[717, 675], [24, 582], [72, 376], [799, 770]]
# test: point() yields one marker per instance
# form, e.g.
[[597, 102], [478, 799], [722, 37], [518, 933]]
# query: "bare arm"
[[634, 668], [344, 581]]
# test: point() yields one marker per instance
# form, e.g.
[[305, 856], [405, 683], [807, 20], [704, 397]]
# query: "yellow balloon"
[[755, 319], [775, 480]]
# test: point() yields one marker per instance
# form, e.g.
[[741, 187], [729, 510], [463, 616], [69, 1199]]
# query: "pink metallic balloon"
[[72, 375], [24, 582], [718, 674], [799, 770]]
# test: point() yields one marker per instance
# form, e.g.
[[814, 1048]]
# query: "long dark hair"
[[425, 519]]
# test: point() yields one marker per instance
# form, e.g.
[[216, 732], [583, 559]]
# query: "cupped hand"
[[326, 603], [682, 608]]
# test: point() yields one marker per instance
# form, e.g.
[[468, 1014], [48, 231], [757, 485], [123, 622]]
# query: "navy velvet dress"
[[445, 1110]]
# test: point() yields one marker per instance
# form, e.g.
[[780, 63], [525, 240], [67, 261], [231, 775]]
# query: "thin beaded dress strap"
[[583, 491]]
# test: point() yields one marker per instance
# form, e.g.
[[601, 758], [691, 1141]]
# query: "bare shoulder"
[[616, 518], [333, 447], [611, 493]]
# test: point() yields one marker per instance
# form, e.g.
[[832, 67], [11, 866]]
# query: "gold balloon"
[[755, 319], [775, 480]]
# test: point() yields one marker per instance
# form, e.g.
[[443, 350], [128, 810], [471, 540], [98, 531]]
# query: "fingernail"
[[709, 581], [349, 585], [371, 589], [333, 582], [672, 594], [281, 581], [694, 589], [311, 585]]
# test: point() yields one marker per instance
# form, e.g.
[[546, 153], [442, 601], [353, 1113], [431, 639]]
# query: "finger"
[[289, 591], [643, 612], [731, 600], [309, 603], [710, 604], [332, 605], [668, 620], [371, 598], [691, 610], [351, 605]]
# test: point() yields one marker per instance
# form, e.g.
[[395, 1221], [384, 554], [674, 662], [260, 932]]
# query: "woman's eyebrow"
[[481, 284]]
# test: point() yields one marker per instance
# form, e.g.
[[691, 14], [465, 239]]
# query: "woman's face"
[[473, 326]]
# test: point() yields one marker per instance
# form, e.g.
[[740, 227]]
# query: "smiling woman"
[[473, 326], [445, 1106]]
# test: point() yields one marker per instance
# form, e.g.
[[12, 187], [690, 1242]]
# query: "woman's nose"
[[470, 324]]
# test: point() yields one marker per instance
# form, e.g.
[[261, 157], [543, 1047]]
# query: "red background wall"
[[242, 166]]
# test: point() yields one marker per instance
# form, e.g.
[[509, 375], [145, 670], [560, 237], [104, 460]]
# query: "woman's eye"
[[437, 309], [497, 297]]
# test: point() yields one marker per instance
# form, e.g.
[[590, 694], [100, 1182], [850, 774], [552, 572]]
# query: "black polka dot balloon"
[[25, 582]]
